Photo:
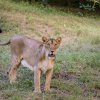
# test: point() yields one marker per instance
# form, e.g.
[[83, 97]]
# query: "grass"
[[78, 59]]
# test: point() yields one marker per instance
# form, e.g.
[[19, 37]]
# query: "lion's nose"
[[52, 52]]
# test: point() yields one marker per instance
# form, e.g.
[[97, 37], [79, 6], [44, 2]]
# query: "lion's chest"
[[46, 65]]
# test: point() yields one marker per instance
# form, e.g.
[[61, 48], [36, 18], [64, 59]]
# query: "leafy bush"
[[89, 4]]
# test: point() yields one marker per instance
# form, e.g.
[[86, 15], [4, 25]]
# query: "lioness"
[[37, 56]]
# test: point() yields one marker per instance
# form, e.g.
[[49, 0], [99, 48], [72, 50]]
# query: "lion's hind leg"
[[13, 70]]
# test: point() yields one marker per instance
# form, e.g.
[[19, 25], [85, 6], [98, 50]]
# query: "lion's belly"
[[44, 65], [25, 64]]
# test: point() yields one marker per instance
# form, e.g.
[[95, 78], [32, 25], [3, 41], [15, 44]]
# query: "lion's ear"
[[44, 39], [59, 39]]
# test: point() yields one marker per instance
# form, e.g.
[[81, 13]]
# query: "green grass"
[[78, 56]]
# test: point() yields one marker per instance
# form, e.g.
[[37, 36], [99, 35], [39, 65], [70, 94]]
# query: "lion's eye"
[[55, 44]]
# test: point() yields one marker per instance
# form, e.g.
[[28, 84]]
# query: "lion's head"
[[51, 45]]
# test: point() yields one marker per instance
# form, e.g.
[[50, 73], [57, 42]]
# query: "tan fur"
[[37, 56]]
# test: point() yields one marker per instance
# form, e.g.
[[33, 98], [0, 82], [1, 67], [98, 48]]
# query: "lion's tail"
[[5, 43]]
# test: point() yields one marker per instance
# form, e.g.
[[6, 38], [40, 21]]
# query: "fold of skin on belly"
[[25, 64]]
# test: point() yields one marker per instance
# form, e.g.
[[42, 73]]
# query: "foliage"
[[91, 5]]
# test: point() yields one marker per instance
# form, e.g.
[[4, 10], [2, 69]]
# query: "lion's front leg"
[[37, 75], [48, 79]]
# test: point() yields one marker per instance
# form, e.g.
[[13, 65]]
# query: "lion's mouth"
[[51, 55]]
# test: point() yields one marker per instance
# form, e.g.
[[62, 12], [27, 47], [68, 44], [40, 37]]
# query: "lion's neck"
[[44, 53]]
